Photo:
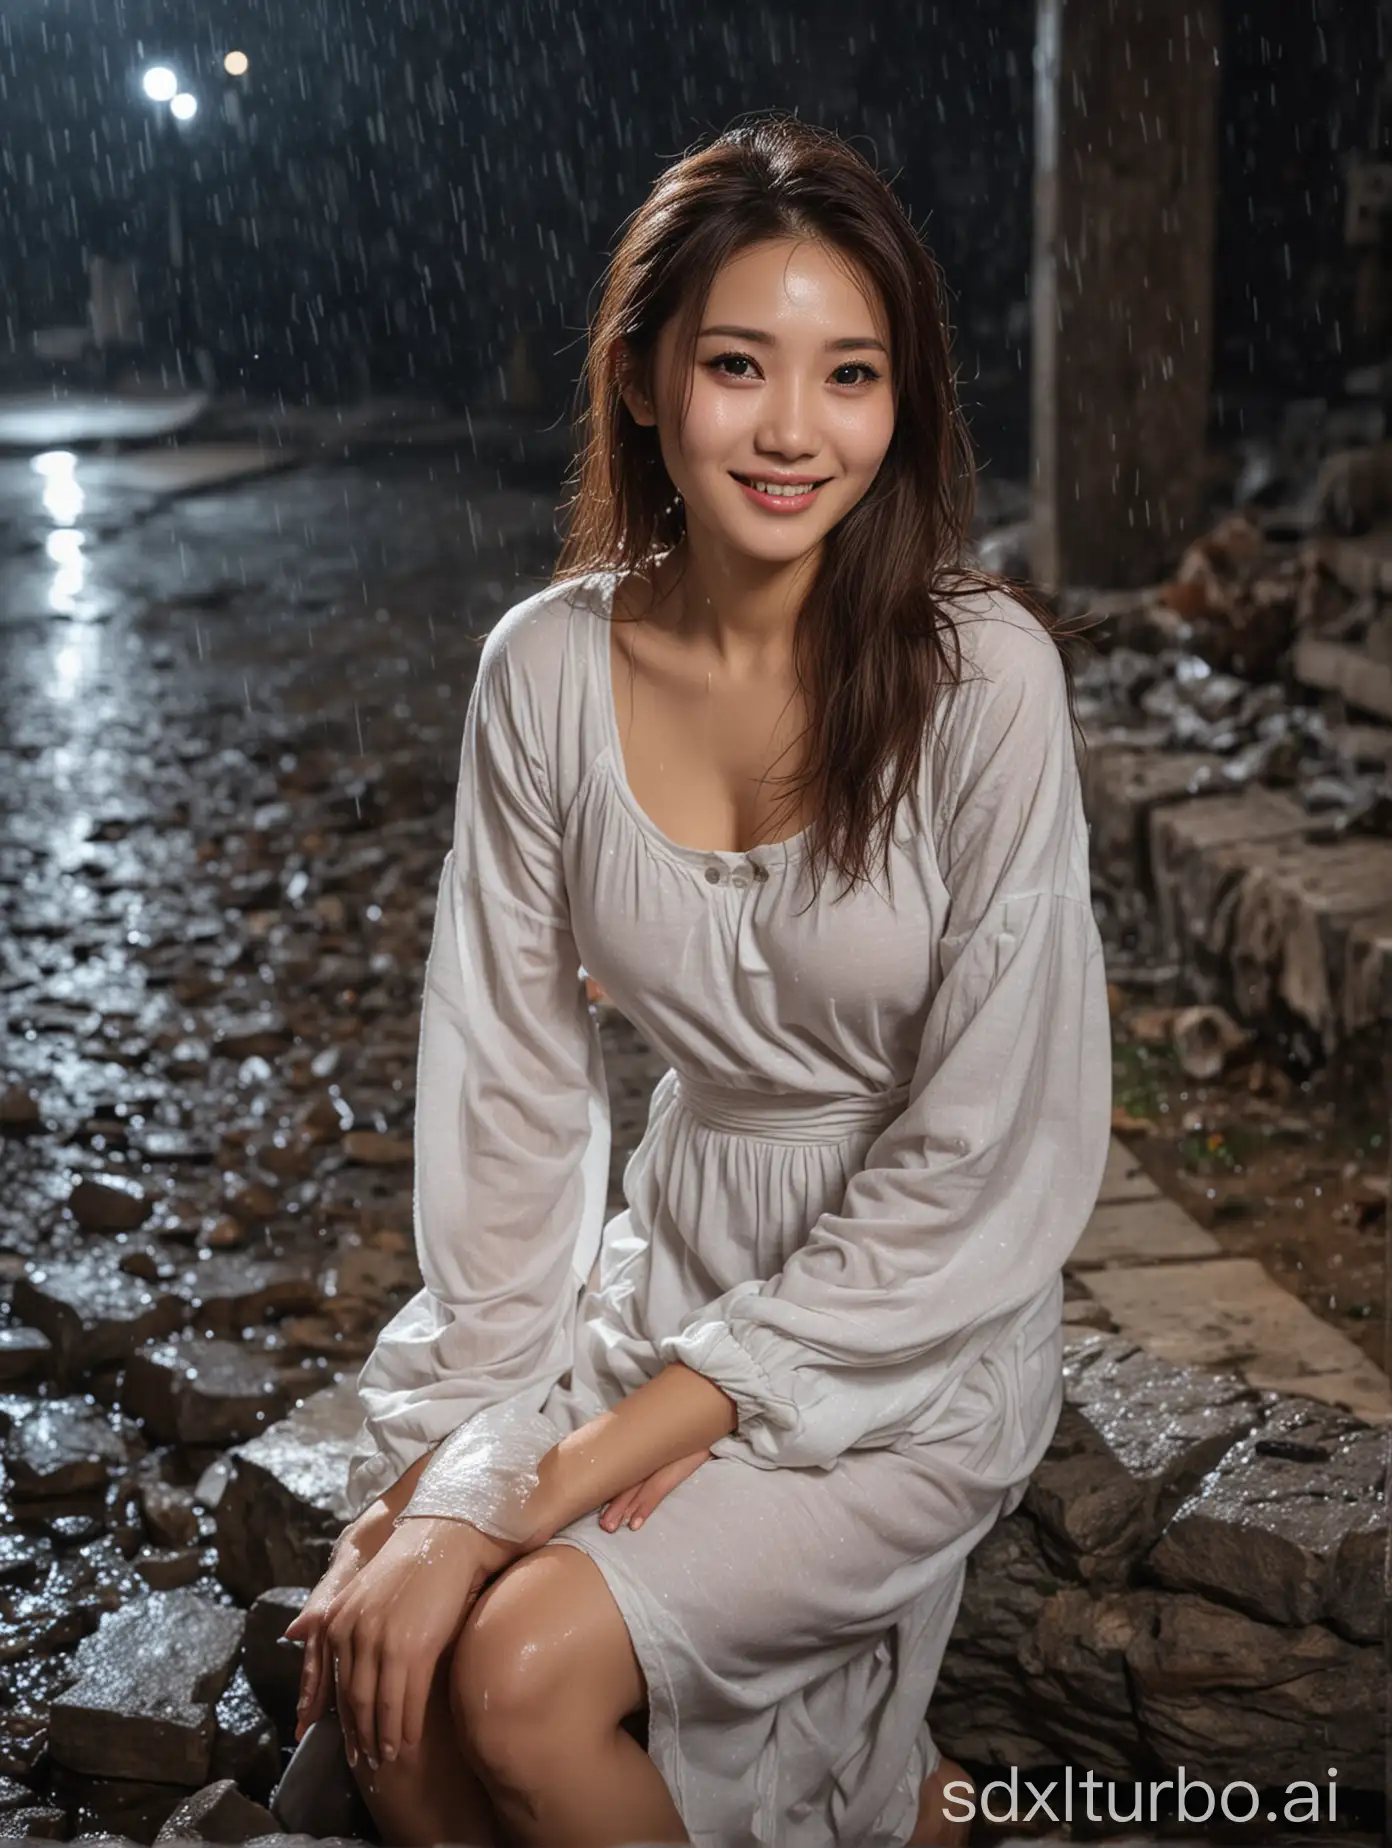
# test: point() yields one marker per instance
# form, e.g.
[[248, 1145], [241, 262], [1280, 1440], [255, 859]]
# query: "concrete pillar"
[[1126, 104]]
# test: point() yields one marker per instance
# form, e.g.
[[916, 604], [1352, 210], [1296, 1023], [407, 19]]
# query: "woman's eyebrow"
[[756, 336]]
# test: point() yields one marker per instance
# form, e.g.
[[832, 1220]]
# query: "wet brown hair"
[[874, 645]]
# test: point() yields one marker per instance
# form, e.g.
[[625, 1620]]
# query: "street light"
[[160, 84], [235, 64], [183, 107]]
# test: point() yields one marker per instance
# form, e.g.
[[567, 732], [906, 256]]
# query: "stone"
[[147, 1685], [19, 1109], [37, 1822], [25, 1353], [1141, 1232], [14, 1795], [24, 1559], [1345, 668], [217, 1813], [117, 1810], [273, 1667], [166, 1568], [254, 1036], [1229, 1314], [1123, 787], [1035, 1670], [1124, 1178], [285, 1502], [1197, 851], [1292, 913], [247, 1745], [1135, 1436], [201, 1391], [110, 1203], [1228, 1697], [65, 1447], [376, 1150], [168, 1512], [1290, 1526], [227, 1293], [91, 1312]]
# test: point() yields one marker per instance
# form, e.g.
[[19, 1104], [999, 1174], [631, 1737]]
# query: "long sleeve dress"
[[882, 1130]]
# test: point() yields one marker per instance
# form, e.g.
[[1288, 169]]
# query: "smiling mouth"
[[781, 490]]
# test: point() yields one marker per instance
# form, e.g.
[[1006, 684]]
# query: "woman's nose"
[[785, 427]]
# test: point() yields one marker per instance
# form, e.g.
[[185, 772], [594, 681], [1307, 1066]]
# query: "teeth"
[[783, 490]]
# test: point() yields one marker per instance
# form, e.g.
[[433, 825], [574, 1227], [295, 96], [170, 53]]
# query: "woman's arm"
[[672, 1415]]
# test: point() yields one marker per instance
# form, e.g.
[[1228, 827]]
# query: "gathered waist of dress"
[[788, 1116]]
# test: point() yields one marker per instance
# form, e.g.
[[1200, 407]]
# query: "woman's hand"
[[636, 1504], [387, 1628], [359, 1542]]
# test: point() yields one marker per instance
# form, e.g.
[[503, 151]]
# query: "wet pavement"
[[229, 732]]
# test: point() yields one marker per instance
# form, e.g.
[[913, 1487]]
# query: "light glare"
[[161, 85], [184, 106], [235, 64]]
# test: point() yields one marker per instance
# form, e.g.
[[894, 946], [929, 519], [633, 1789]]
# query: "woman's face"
[[791, 407]]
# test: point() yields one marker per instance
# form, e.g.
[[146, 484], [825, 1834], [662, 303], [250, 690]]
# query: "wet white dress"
[[882, 1131]]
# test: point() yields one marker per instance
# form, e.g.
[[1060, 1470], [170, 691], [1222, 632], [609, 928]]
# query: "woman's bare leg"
[[937, 1826], [430, 1795], [544, 1674]]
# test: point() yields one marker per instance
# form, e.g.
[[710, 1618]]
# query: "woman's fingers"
[[619, 1509], [362, 1697], [341, 1650], [315, 1684], [392, 1682]]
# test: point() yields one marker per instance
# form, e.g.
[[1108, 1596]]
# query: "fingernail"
[[637, 1521], [372, 1762], [352, 1751], [389, 1752]]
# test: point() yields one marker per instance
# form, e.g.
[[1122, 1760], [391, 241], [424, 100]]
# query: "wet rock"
[[1035, 1672], [201, 1391], [92, 1312], [285, 1503], [1214, 1688], [247, 1746], [24, 1559], [168, 1512], [148, 1683], [14, 1795], [37, 1822], [19, 1110], [115, 1809], [217, 1813], [110, 1203], [65, 1447], [273, 1667], [229, 1293], [1206, 1040], [1135, 1436], [1290, 1526], [25, 1354], [23, 1741], [167, 1568], [256, 1036], [375, 1150], [250, 1201]]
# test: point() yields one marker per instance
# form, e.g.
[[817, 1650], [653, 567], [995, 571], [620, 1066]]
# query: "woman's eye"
[[855, 365], [731, 359]]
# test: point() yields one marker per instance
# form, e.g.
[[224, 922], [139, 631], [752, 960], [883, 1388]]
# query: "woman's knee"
[[545, 1652]]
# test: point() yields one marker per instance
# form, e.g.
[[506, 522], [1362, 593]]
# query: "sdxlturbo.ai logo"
[[1237, 1801]]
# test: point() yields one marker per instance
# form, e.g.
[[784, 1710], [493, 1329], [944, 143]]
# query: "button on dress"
[[881, 1131]]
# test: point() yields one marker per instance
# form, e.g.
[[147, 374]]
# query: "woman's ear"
[[636, 398]]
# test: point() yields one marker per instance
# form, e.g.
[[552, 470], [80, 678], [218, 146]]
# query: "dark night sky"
[[413, 181]]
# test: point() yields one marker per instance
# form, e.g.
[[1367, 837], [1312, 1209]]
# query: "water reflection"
[[63, 501]]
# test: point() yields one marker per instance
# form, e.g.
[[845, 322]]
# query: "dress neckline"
[[790, 848]]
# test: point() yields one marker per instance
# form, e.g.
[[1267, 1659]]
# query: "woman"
[[736, 1484]]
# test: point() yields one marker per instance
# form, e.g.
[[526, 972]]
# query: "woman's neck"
[[741, 609]]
